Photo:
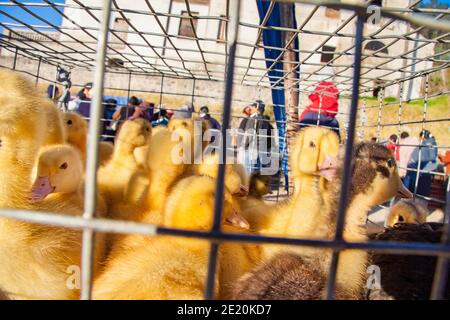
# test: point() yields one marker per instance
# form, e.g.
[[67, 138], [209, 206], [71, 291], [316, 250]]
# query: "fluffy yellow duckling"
[[55, 131], [59, 187], [316, 147], [235, 259], [236, 180], [115, 177], [259, 185], [77, 131], [170, 157], [313, 151], [38, 261], [22, 109], [140, 154], [169, 267], [406, 211], [20, 116]]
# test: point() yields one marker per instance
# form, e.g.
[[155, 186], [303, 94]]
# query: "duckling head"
[[375, 174], [76, 127], [259, 184], [191, 206], [313, 146], [59, 169], [406, 211], [235, 175], [136, 132]]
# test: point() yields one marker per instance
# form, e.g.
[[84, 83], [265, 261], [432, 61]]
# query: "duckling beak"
[[41, 188], [403, 192], [328, 168], [243, 191], [238, 221]]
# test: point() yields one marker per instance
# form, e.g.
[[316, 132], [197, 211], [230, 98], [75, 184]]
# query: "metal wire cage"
[[123, 45]]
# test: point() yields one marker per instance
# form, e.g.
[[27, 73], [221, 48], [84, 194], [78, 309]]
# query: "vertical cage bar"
[[400, 111], [380, 106], [54, 85], [128, 97], [193, 93], [15, 59], [346, 174], [363, 120], [161, 93], [38, 70], [424, 120], [90, 194], [220, 188]]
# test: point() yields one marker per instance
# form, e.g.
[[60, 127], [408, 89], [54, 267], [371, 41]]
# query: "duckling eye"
[[312, 144], [390, 163], [401, 219], [64, 166], [69, 122]]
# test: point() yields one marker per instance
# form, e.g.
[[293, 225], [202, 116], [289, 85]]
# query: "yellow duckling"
[[38, 261], [115, 176], [170, 157], [77, 131], [406, 211], [168, 267], [22, 109], [259, 185], [236, 180], [55, 131], [311, 163], [59, 186], [235, 259]]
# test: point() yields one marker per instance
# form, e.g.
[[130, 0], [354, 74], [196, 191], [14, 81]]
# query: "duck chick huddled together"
[[42, 167]]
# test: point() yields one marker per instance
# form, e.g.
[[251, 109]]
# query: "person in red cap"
[[323, 108]]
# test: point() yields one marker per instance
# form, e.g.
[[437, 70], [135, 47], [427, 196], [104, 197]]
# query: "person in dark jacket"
[[256, 140], [125, 112], [84, 98], [423, 157], [323, 108], [205, 115], [110, 106], [53, 92]]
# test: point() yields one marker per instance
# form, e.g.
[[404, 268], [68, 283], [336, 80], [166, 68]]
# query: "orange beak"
[[243, 191], [403, 192], [237, 221]]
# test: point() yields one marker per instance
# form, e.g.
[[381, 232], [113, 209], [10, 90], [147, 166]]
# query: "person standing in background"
[[205, 115], [84, 98], [143, 110], [110, 106], [393, 145], [125, 112], [323, 108], [444, 157], [423, 158], [256, 141], [406, 147], [53, 92]]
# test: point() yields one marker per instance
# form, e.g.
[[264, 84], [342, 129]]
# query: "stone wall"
[[175, 91]]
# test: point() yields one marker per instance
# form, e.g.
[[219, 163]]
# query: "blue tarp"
[[121, 101], [274, 38]]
